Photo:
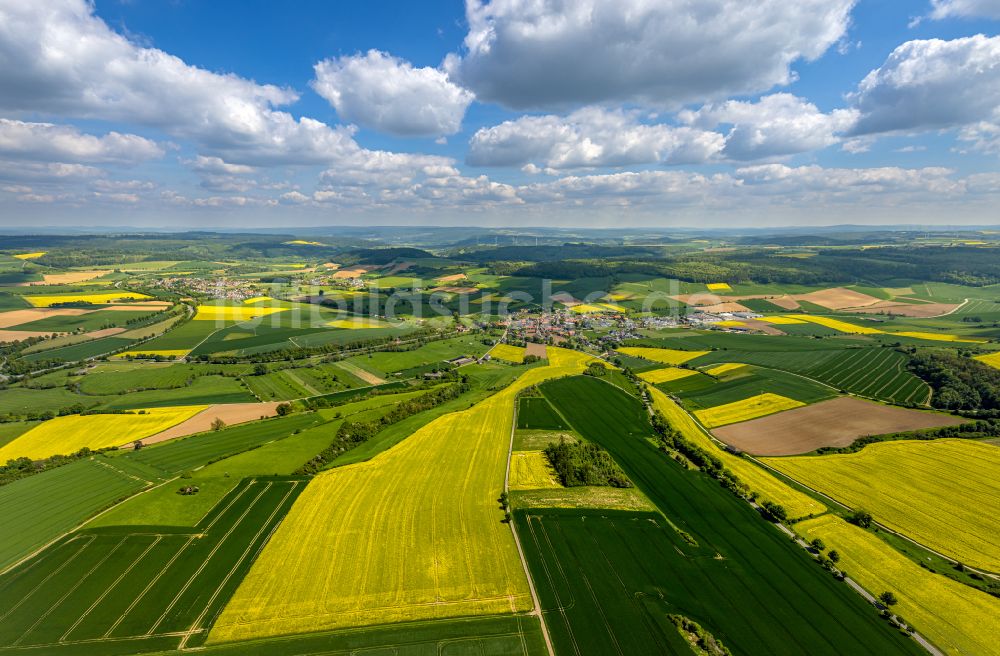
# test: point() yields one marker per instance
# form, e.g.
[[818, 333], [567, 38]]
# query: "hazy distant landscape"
[[499, 328]]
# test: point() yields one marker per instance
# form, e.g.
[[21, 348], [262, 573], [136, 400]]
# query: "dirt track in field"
[[231, 413], [837, 422], [921, 311]]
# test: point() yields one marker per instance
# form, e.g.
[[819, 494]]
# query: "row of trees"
[[352, 433]]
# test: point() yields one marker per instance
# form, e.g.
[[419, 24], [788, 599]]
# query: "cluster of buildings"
[[229, 289]]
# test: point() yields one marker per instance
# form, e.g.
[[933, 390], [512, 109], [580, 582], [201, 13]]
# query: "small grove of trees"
[[959, 383], [585, 464], [862, 518]]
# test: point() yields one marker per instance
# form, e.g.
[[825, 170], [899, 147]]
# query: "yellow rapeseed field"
[[257, 299], [942, 493], [69, 434], [836, 324], [782, 321], [956, 618], [412, 534], [30, 256], [356, 323], [666, 374], [730, 323], [46, 300], [724, 368], [992, 359], [745, 410], [531, 470], [941, 337], [166, 353], [232, 313], [508, 353], [719, 287], [756, 478], [597, 308], [661, 355]]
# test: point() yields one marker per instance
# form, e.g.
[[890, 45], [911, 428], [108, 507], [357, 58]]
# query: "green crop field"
[[535, 412], [144, 585], [204, 390], [387, 362], [82, 351], [878, 373], [608, 581], [42, 507], [125, 377], [186, 336], [752, 382], [89, 321]]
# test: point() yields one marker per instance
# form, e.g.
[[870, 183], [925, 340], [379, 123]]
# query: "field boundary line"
[[201, 616], [71, 590], [149, 586], [107, 591], [46, 579], [517, 540], [208, 558]]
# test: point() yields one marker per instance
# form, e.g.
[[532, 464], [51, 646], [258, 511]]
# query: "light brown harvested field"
[[724, 307], [837, 298], [535, 349], [456, 290], [358, 372], [837, 422], [353, 272], [765, 328], [920, 311], [452, 278], [70, 277], [17, 317], [331, 265], [104, 332], [786, 302], [565, 298], [231, 413], [19, 335]]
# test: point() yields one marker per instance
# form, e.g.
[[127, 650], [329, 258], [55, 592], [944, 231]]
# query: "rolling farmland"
[[745, 409], [662, 355], [440, 484], [66, 435], [149, 589], [756, 478], [42, 507], [942, 493], [733, 573], [879, 373], [953, 616]]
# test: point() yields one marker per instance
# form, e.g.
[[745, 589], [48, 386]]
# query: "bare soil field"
[[729, 306], [765, 328], [456, 290], [18, 335], [353, 272], [535, 349], [837, 422], [231, 413], [786, 302], [837, 298], [17, 317], [455, 277], [70, 277], [920, 311]]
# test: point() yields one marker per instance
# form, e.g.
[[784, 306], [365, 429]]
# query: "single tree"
[[862, 518], [888, 599], [818, 544], [218, 424], [834, 555]]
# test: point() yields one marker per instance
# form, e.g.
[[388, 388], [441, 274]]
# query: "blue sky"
[[551, 112]]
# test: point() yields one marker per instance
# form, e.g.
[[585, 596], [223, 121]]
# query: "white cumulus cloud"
[[776, 125], [965, 9], [932, 85], [390, 95], [557, 53], [50, 142], [590, 137]]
